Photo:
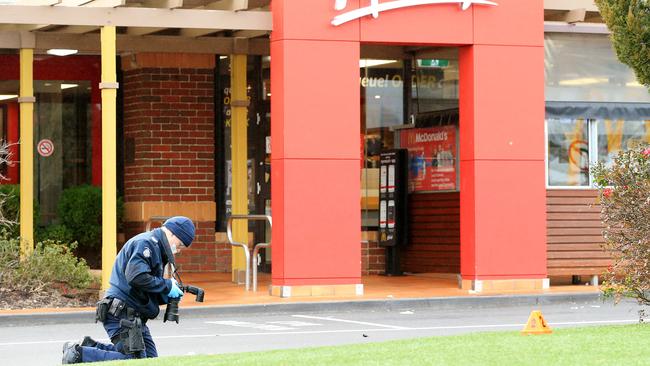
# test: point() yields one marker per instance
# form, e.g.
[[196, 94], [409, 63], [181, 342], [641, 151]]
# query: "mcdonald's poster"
[[432, 158]]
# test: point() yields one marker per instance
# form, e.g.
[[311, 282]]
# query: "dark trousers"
[[108, 352]]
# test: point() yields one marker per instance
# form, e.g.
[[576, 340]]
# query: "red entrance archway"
[[315, 191]]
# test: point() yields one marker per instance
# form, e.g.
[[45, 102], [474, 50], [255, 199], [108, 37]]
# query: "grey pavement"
[[216, 330]]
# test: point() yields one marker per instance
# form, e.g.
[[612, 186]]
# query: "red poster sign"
[[432, 158]]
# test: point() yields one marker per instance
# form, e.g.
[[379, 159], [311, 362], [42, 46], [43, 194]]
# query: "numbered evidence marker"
[[536, 324]]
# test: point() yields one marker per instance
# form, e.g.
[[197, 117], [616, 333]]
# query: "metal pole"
[[26, 101], [109, 153]]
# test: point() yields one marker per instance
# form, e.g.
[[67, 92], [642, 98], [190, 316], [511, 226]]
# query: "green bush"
[[57, 233], [80, 211], [10, 210], [50, 265]]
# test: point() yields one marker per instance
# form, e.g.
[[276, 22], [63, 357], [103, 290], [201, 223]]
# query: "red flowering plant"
[[625, 211]]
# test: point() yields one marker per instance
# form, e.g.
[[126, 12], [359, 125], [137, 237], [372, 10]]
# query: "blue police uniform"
[[137, 279]]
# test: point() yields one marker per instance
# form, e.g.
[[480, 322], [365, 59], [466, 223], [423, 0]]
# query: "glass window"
[[382, 108], [569, 142], [614, 136], [435, 86], [62, 121], [62, 115], [568, 152], [410, 103], [584, 67]]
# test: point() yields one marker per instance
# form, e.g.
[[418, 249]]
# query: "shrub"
[[50, 265], [10, 209], [625, 199], [56, 233], [80, 211]]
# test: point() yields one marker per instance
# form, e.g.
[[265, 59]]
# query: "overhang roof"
[[212, 26], [191, 26]]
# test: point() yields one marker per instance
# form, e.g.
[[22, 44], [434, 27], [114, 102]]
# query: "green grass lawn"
[[608, 345]]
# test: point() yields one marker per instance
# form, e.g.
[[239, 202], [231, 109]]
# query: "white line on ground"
[[350, 321], [345, 331]]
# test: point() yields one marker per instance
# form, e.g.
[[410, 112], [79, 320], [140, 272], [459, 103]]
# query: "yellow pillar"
[[26, 152], [239, 158], [109, 87]]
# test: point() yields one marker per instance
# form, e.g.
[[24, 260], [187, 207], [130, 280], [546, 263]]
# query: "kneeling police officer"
[[137, 289]]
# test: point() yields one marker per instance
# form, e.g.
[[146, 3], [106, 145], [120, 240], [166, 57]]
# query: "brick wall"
[[169, 120], [170, 149], [373, 257]]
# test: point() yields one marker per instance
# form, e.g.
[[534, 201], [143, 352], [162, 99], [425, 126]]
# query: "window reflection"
[[568, 152]]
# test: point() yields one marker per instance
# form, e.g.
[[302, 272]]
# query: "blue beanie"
[[182, 228]]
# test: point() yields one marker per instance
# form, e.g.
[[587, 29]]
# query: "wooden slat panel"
[[578, 254], [573, 208], [434, 233], [415, 226], [436, 240], [433, 204], [435, 248], [593, 216], [575, 239], [571, 201], [435, 218], [574, 224], [582, 262], [563, 231], [574, 248], [571, 193], [435, 211], [446, 196], [577, 271], [574, 233]]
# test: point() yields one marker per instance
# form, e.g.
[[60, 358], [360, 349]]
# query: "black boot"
[[71, 353], [88, 342]]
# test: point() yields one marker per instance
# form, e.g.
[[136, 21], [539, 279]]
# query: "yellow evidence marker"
[[536, 324]]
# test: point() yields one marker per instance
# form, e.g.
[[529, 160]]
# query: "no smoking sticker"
[[45, 147]]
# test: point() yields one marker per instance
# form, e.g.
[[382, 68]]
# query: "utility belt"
[[130, 321]]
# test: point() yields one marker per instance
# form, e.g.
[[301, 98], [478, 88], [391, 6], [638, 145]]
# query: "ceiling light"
[[61, 52], [583, 81], [371, 63], [68, 86], [635, 84], [8, 96]]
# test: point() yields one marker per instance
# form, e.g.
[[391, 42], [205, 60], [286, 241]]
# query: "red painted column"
[[502, 194], [315, 149]]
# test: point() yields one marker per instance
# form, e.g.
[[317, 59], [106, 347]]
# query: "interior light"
[[61, 52], [635, 84], [584, 81], [68, 86], [8, 96], [377, 96], [370, 63]]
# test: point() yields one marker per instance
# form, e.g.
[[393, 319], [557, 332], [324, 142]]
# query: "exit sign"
[[433, 63]]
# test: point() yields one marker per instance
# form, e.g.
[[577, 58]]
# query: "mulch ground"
[[50, 298]]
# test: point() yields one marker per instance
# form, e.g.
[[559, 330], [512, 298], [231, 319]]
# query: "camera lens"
[[171, 312]]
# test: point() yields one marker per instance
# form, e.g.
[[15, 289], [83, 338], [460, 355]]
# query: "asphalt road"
[[26, 345]]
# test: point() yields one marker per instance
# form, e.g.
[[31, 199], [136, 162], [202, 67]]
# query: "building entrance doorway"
[[410, 100]]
